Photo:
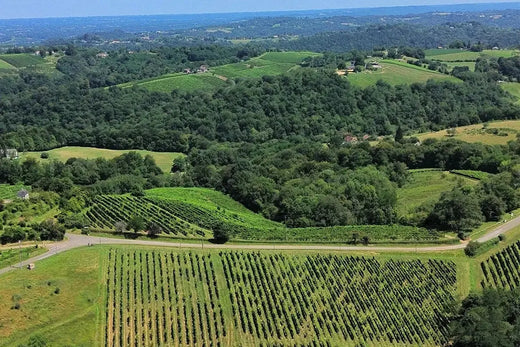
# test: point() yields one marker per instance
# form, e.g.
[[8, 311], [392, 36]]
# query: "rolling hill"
[[396, 72], [268, 64]]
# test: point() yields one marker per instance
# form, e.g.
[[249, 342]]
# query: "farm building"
[[203, 69], [23, 194], [102, 55], [351, 67], [187, 71], [374, 65], [350, 139], [9, 153]]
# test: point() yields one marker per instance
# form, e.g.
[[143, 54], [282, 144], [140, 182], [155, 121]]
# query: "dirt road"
[[75, 241]]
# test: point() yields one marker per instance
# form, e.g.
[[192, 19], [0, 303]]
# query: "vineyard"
[[107, 210], [502, 270], [184, 218], [247, 298]]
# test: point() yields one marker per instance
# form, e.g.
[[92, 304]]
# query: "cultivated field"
[[22, 60], [450, 55], [8, 192], [502, 270], [396, 72], [163, 159], [263, 299], [268, 64], [194, 212], [426, 187], [492, 133]]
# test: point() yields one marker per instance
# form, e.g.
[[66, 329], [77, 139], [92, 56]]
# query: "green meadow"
[[397, 72], [163, 159]]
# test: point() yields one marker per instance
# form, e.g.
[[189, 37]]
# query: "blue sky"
[[81, 8]]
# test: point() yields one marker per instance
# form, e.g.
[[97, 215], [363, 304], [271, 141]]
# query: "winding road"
[[74, 241]]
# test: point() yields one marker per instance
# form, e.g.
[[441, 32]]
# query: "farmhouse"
[[373, 65], [9, 153], [351, 67], [187, 71], [203, 69], [102, 55], [23, 194], [350, 139]]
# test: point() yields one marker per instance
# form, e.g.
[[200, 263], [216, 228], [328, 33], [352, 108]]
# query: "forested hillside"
[[314, 104]]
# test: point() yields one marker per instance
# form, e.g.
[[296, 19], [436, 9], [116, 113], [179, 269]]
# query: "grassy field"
[[469, 64], [6, 66], [396, 72], [492, 133], [513, 89], [271, 63], [8, 192], [9, 257], [457, 55], [163, 159], [22, 60], [73, 316], [426, 187], [185, 82]]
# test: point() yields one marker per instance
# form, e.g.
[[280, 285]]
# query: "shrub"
[[472, 248], [44, 155]]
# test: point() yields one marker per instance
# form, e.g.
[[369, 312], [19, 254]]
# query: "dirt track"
[[75, 241]]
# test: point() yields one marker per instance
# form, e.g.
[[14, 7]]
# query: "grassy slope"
[[163, 159], [475, 133], [513, 89], [22, 60], [426, 187], [9, 257], [396, 72]]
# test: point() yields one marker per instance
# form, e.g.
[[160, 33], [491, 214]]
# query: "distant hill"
[[36, 31]]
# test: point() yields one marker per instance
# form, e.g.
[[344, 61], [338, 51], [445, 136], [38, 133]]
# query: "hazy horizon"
[[25, 9]]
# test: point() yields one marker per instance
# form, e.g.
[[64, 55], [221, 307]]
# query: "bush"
[[472, 248], [57, 291], [501, 237], [44, 155]]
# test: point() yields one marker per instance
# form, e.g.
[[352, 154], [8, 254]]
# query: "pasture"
[[397, 72], [10, 257], [163, 159], [492, 133], [426, 187]]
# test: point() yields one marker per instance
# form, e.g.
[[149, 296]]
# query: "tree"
[[136, 223], [457, 210], [399, 134], [51, 230], [154, 229], [120, 227], [491, 319], [220, 233]]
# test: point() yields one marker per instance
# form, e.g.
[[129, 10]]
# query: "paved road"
[[75, 241]]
